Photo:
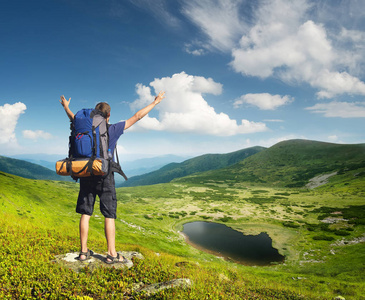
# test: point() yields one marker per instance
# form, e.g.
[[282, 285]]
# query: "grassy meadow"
[[323, 260]]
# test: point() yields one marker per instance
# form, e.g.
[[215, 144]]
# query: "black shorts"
[[105, 189]]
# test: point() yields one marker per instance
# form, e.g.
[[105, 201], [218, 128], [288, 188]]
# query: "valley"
[[320, 230]]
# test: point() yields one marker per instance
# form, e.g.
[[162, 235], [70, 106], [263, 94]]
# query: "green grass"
[[39, 221]]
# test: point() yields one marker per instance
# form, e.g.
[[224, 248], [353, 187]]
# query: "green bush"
[[342, 233], [259, 191], [260, 200], [325, 227], [357, 221], [225, 219], [323, 238], [291, 224], [283, 194]]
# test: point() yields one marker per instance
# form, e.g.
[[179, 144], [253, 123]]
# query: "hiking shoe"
[[87, 255], [115, 259]]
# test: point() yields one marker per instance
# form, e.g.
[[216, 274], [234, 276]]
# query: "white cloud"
[[302, 52], [159, 9], [353, 41], [263, 101], [274, 140], [298, 42], [219, 19], [38, 134], [274, 120], [9, 115], [186, 110], [295, 52], [145, 97], [339, 109], [196, 49], [334, 83], [333, 138]]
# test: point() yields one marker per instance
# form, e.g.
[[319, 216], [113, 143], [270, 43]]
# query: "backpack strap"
[[71, 144], [68, 162], [115, 167], [100, 122], [88, 166]]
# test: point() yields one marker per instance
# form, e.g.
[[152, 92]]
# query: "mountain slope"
[[38, 227], [198, 164], [28, 170], [147, 165], [290, 164]]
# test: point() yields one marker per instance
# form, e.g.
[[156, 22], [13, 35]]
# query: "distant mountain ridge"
[[290, 164], [147, 165], [286, 164], [197, 164], [42, 159], [131, 167], [29, 170]]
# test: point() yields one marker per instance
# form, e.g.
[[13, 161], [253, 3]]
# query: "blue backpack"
[[89, 135], [88, 147]]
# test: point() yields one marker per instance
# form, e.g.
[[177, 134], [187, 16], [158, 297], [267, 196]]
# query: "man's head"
[[104, 108]]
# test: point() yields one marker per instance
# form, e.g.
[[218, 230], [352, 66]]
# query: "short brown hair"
[[104, 108]]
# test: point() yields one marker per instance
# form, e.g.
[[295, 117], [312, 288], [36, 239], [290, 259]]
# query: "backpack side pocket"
[[83, 145]]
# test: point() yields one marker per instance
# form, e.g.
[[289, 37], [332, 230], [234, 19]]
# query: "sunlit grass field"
[[323, 260]]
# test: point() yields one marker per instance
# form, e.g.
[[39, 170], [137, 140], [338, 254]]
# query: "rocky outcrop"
[[157, 287], [319, 180], [69, 260], [354, 241]]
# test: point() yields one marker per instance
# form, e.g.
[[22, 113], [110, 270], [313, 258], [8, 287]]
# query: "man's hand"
[[144, 111], [64, 102], [158, 98], [65, 105]]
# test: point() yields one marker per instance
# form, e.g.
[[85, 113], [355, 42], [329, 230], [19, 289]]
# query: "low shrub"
[[225, 219], [323, 238], [291, 224], [342, 233]]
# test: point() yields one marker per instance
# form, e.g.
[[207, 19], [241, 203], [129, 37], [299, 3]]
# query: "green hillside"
[[194, 165], [28, 170], [38, 222], [292, 164], [320, 231]]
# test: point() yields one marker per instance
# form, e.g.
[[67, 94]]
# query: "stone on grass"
[[69, 260], [157, 287]]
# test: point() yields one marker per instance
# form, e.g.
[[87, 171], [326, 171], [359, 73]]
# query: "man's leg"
[[84, 230], [85, 207], [110, 236], [108, 207]]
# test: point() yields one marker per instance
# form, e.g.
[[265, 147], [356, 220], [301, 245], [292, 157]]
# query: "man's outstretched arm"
[[65, 105], [144, 111]]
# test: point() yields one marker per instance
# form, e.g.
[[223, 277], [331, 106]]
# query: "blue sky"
[[236, 73]]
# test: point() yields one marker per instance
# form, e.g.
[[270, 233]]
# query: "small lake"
[[221, 240]]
